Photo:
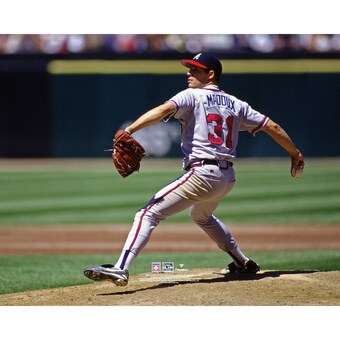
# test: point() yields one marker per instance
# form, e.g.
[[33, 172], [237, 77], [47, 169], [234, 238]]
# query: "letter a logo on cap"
[[197, 56]]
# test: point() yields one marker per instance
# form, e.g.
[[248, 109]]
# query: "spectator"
[[159, 43]]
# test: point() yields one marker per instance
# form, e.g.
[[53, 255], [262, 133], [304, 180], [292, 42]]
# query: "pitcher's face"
[[198, 77]]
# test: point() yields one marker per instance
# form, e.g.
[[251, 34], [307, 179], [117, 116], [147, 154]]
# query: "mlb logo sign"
[[156, 267]]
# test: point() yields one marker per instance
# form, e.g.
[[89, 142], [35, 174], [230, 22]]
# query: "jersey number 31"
[[218, 127]]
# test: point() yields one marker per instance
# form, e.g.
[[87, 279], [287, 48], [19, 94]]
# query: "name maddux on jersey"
[[220, 100]]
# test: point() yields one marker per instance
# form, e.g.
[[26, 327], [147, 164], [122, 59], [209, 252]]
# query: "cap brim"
[[189, 63]]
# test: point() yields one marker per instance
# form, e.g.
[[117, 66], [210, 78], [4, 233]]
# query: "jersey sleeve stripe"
[[176, 109], [260, 126], [176, 105]]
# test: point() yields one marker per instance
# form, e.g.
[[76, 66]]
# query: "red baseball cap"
[[206, 61]]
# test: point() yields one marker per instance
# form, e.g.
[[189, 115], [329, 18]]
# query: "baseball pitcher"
[[210, 122]]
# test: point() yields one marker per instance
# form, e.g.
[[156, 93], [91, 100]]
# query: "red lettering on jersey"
[[230, 122], [212, 117], [216, 121]]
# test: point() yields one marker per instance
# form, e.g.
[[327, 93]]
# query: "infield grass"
[[34, 272]]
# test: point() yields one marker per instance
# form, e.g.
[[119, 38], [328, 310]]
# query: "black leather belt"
[[221, 164]]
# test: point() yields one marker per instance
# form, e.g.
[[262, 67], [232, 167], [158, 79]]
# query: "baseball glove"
[[127, 153]]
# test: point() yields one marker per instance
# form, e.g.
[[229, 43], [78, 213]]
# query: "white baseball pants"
[[201, 188]]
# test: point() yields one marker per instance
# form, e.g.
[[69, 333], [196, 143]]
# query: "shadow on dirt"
[[223, 278]]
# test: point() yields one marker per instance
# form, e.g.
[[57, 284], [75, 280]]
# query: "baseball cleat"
[[250, 267], [119, 277]]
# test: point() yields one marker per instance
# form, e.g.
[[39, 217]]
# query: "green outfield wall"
[[72, 108]]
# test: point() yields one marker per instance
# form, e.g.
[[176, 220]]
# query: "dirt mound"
[[196, 287]]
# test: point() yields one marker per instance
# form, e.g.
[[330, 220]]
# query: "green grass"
[[34, 272], [264, 193], [73, 194]]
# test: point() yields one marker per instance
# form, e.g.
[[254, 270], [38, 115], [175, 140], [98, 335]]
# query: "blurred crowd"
[[166, 43]]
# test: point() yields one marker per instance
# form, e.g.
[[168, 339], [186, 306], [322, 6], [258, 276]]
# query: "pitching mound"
[[196, 287]]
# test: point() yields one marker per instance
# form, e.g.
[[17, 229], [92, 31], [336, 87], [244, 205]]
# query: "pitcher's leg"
[[137, 238], [201, 213], [169, 201]]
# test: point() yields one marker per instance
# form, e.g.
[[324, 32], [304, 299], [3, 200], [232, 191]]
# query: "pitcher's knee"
[[144, 216], [200, 220]]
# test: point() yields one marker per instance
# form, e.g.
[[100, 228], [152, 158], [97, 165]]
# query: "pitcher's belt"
[[221, 164]]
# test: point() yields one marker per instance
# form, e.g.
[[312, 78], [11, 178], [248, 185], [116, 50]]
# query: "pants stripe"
[[126, 254]]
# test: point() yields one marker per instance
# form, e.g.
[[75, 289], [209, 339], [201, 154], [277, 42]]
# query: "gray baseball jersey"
[[210, 121]]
